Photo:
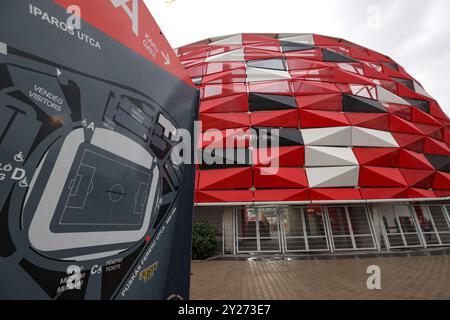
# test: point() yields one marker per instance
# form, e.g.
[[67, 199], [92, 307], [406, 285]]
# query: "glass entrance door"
[[258, 230], [434, 224], [269, 230], [350, 228], [400, 227], [304, 229]]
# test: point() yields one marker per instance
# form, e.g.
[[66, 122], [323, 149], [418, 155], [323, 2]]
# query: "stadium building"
[[364, 156]]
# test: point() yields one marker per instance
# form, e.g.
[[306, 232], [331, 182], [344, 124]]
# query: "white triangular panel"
[[329, 157], [387, 96], [298, 38], [363, 137], [228, 41], [233, 55], [333, 137], [333, 177], [420, 90], [259, 74]]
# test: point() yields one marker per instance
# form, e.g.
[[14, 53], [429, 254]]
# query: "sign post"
[[91, 204]]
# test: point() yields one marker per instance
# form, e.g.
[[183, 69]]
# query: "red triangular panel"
[[287, 157], [342, 76], [442, 193], [384, 193], [422, 117], [441, 180], [236, 103], [219, 196], [301, 87], [326, 41], [280, 178], [381, 177], [399, 110], [335, 194], [433, 146], [327, 102], [413, 160], [436, 111], [229, 76], [283, 118], [235, 178], [418, 178], [410, 141], [378, 157], [404, 126], [374, 121], [259, 54], [320, 119], [302, 64], [420, 193], [282, 195], [224, 120]]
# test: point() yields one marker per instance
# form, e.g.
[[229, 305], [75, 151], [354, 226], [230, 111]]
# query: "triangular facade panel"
[[351, 119], [333, 177]]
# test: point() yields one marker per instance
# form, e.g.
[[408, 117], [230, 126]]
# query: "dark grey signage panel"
[[91, 204]]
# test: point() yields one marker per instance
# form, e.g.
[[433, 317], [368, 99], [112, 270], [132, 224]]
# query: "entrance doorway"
[[400, 227], [351, 228], [337, 228], [434, 224], [304, 229], [258, 230]]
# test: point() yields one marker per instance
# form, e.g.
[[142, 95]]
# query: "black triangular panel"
[[421, 104], [290, 137], [330, 56], [359, 104], [288, 46], [406, 82], [273, 64], [441, 163], [287, 137], [267, 102], [393, 66]]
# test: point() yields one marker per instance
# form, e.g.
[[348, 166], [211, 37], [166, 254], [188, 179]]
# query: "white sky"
[[415, 33]]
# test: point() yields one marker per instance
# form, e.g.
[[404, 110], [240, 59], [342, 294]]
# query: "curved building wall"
[[353, 125], [363, 162]]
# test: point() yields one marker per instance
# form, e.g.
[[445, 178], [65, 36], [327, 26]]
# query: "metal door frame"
[[280, 235], [329, 237], [436, 231], [258, 236], [305, 237], [402, 233], [350, 228], [237, 238]]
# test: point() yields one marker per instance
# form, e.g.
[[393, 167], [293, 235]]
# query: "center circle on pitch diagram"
[[116, 193]]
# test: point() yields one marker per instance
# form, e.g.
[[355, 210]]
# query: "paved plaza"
[[415, 277]]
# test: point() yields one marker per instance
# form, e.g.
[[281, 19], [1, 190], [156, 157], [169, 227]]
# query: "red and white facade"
[[355, 129]]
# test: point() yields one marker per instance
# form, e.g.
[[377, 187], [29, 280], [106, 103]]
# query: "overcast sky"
[[415, 33]]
